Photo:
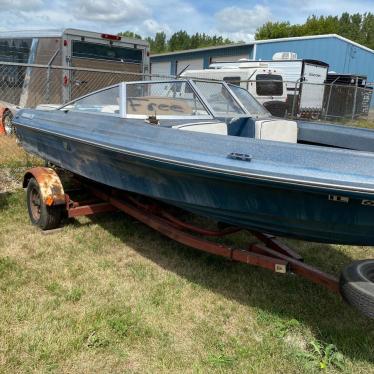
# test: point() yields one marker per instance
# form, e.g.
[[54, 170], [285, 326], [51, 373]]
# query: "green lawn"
[[108, 294], [362, 123]]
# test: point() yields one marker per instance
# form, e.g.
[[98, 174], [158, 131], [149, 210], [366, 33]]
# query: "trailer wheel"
[[357, 286], [41, 215], [8, 122]]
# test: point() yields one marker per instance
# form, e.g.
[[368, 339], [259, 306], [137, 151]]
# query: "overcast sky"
[[237, 20]]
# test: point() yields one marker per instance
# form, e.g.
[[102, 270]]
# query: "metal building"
[[343, 55]]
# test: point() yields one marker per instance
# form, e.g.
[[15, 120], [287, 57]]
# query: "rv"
[[68, 48], [267, 85], [305, 80]]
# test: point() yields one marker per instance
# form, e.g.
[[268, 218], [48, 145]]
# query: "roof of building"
[[255, 42]]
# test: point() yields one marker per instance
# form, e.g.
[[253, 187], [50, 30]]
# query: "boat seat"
[[268, 129], [277, 130], [242, 126], [246, 127]]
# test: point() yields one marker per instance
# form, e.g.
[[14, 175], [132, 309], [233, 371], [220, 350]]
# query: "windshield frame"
[[266, 114], [201, 98], [224, 84], [65, 107], [122, 87]]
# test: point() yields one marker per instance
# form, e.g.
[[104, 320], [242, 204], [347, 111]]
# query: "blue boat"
[[212, 149]]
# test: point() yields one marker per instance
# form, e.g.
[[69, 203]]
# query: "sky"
[[237, 20]]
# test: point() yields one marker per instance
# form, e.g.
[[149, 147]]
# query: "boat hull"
[[279, 209]]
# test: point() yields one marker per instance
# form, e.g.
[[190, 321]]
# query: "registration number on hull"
[[344, 199], [367, 202]]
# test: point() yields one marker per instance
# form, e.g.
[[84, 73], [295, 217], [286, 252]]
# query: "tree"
[[368, 30], [274, 30], [179, 40], [357, 27], [159, 43], [129, 34]]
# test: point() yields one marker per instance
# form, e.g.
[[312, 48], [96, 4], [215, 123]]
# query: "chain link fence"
[[305, 100], [26, 85], [347, 101], [332, 102]]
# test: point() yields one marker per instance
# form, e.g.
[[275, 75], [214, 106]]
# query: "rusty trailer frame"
[[271, 254]]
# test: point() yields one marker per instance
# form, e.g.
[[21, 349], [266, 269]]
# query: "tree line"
[[180, 40], [357, 27]]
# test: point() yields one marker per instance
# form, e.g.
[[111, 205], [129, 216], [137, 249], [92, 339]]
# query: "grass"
[[107, 294], [365, 123], [13, 163], [361, 122]]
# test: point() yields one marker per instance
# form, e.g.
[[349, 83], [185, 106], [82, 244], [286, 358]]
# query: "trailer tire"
[[357, 286], [8, 122], [41, 215]]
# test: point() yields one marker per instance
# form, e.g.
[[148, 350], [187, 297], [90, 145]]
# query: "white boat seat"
[[276, 130], [273, 129]]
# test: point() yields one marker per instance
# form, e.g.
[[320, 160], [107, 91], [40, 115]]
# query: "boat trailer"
[[269, 254]]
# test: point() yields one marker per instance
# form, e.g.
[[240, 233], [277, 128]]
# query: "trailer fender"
[[49, 183]]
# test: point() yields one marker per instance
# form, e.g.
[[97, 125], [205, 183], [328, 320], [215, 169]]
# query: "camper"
[[305, 80], [68, 48], [267, 85]]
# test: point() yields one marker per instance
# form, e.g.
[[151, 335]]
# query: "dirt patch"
[[11, 179]]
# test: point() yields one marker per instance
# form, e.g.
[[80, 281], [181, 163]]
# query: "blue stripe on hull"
[[242, 202]]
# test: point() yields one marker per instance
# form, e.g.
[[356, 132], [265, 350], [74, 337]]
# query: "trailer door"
[[313, 87], [104, 56]]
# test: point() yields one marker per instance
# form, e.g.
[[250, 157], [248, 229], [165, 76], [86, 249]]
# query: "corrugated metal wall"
[[206, 56], [343, 57]]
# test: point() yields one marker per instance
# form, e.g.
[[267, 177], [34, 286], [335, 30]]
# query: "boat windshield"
[[104, 101], [181, 99], [163, 99], [253, 107], [219, 98]]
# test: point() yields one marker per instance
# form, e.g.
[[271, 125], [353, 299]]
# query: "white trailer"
[[267, 85], [305, 81], [67, 48]]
